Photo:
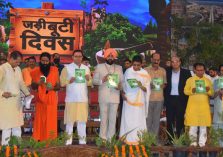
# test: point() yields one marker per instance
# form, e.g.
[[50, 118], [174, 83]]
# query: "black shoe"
[[168, 144]]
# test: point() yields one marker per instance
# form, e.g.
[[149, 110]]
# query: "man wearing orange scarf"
[[108, 76]]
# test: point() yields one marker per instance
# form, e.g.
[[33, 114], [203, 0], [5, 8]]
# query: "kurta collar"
[[9, 66], [199, 77], [75, 65]]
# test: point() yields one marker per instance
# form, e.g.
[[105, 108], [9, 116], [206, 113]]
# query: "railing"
[[163, 151]]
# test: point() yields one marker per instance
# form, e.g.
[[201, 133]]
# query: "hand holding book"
[[80, 76], [119, 87], [105, 78], [141, 86], [7, 94], [49, 86], [194, 89], [112, 81], [72, 80], [42, 79], [200, 86], [87, 77]]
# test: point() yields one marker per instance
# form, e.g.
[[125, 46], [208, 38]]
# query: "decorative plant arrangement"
[[117, 148]]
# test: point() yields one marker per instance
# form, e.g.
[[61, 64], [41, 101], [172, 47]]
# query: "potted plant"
[[215, 138], [179, 143], [148, 139]]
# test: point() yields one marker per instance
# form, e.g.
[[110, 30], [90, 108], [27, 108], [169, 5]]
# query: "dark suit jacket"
[[184, 75]]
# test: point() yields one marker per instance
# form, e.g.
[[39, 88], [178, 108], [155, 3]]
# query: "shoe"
[[82, 142], [193, 144], [69, 142], [201, 144], [168, 144]]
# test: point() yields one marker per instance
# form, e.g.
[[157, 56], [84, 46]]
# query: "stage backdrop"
[[46, 30]]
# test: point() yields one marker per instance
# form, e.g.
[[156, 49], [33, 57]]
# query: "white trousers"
[[108, 115], [202, 135], [6, 133], [81, 131]]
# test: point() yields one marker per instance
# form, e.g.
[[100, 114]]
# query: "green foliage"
[[215, 136], [150, 28], [209, 45], [6, 23], [204, 41], [108, 144], [147, 139], [128, 54], [32, 145], [4, 47], [182, 141], [115, 28]]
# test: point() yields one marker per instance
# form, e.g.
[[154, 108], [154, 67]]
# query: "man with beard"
[[213, 72], [45, 82], [56, 62], [11, 82], [109, 96]]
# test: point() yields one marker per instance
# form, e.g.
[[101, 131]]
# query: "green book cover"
[[113, 81], [43, 78], [200, 86], [80, 76], [220, 83], [132, 83], [157, 82]]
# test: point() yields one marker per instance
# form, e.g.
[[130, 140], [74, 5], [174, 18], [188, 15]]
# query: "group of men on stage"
[[144, 92]]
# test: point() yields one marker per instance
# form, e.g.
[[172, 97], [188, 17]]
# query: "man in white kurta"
[[135, 105], [76, 108], [11, 82]]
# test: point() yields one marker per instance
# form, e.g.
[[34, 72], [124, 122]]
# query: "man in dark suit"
[[175, 99]]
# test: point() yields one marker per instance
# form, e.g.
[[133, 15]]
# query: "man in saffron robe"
[[45, 82]]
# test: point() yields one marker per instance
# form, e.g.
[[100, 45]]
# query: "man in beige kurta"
[[11, 82], [109, 97], [158, 81]]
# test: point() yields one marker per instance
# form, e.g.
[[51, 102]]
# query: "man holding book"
[[136, 91], [45, 83], [198, 114], [75, 77], [158, 82], [108, 76]]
